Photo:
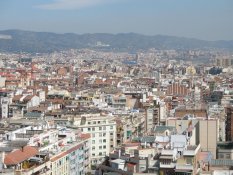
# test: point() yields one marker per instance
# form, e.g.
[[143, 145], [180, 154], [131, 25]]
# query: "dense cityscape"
[[84, 111], [116, 87]]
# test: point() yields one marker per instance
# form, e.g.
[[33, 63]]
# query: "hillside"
[[27, 41]]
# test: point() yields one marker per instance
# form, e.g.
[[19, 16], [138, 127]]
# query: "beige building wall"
[[208, 136], [181, 125], [2, 82]]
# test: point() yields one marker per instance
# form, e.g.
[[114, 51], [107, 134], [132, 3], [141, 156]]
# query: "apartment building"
[[102, 129], [177, 89], [202, 131], [46, 151], [131, 159], [151, 118], [74, 159], [5, 111], [229, 124], [224, 61]]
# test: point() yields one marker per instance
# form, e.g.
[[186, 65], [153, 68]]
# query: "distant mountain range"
[[41, 42]]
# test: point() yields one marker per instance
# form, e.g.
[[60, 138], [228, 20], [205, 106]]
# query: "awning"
[[166, 157], [36, 159]]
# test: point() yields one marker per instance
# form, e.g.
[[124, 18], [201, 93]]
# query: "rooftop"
[[20, 155], [161, 129]]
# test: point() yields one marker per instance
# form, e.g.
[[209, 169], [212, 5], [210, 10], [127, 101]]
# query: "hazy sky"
[[203, 19]]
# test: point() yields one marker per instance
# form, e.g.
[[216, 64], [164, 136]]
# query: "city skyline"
[[207, 20]]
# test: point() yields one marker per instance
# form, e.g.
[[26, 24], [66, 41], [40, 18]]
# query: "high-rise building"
[[152, 118], [224, 61], [177, 89], [229, 124], [102, 129], [206, 132]]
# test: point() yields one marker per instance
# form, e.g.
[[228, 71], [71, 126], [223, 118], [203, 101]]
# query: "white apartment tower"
[[102, 129]]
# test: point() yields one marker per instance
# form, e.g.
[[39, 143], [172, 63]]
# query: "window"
[[227, 156], [89, 129], [111, 127], [104, 134], [93, 141], [166, 162], [100, 140], [94, 122], [100, 134], [189, 160], [100, 153], [104, 127], [93, 135], [142, 168], [88, 123], [111, 133], [104, 146], [93, 154], [111, 146], [111, 140], [98, 122], [93, 148], [221, 156], [100, 147], [104, 140], [100, 128], [93, 129]]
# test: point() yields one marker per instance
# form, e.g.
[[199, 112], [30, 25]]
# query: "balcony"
[[80, 161], [167, 152], [191, 150], [86, 148], [42, 169], [73, 157], [182, 167], [81, 168], [189, 153], [8, 172], [171, 165], [48, 172], [81, 152], [72, 166]]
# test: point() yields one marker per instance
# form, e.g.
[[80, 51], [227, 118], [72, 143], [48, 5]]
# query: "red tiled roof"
[[17, 98], [56, 101], [129, 144], [19, 156], [28, 98], [85, 136]]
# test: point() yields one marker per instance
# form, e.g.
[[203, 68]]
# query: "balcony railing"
[[184, 167], [189, 153], [171, 165], [167, 152]]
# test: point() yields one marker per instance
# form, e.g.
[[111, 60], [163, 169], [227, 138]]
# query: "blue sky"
[[203, 19]]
